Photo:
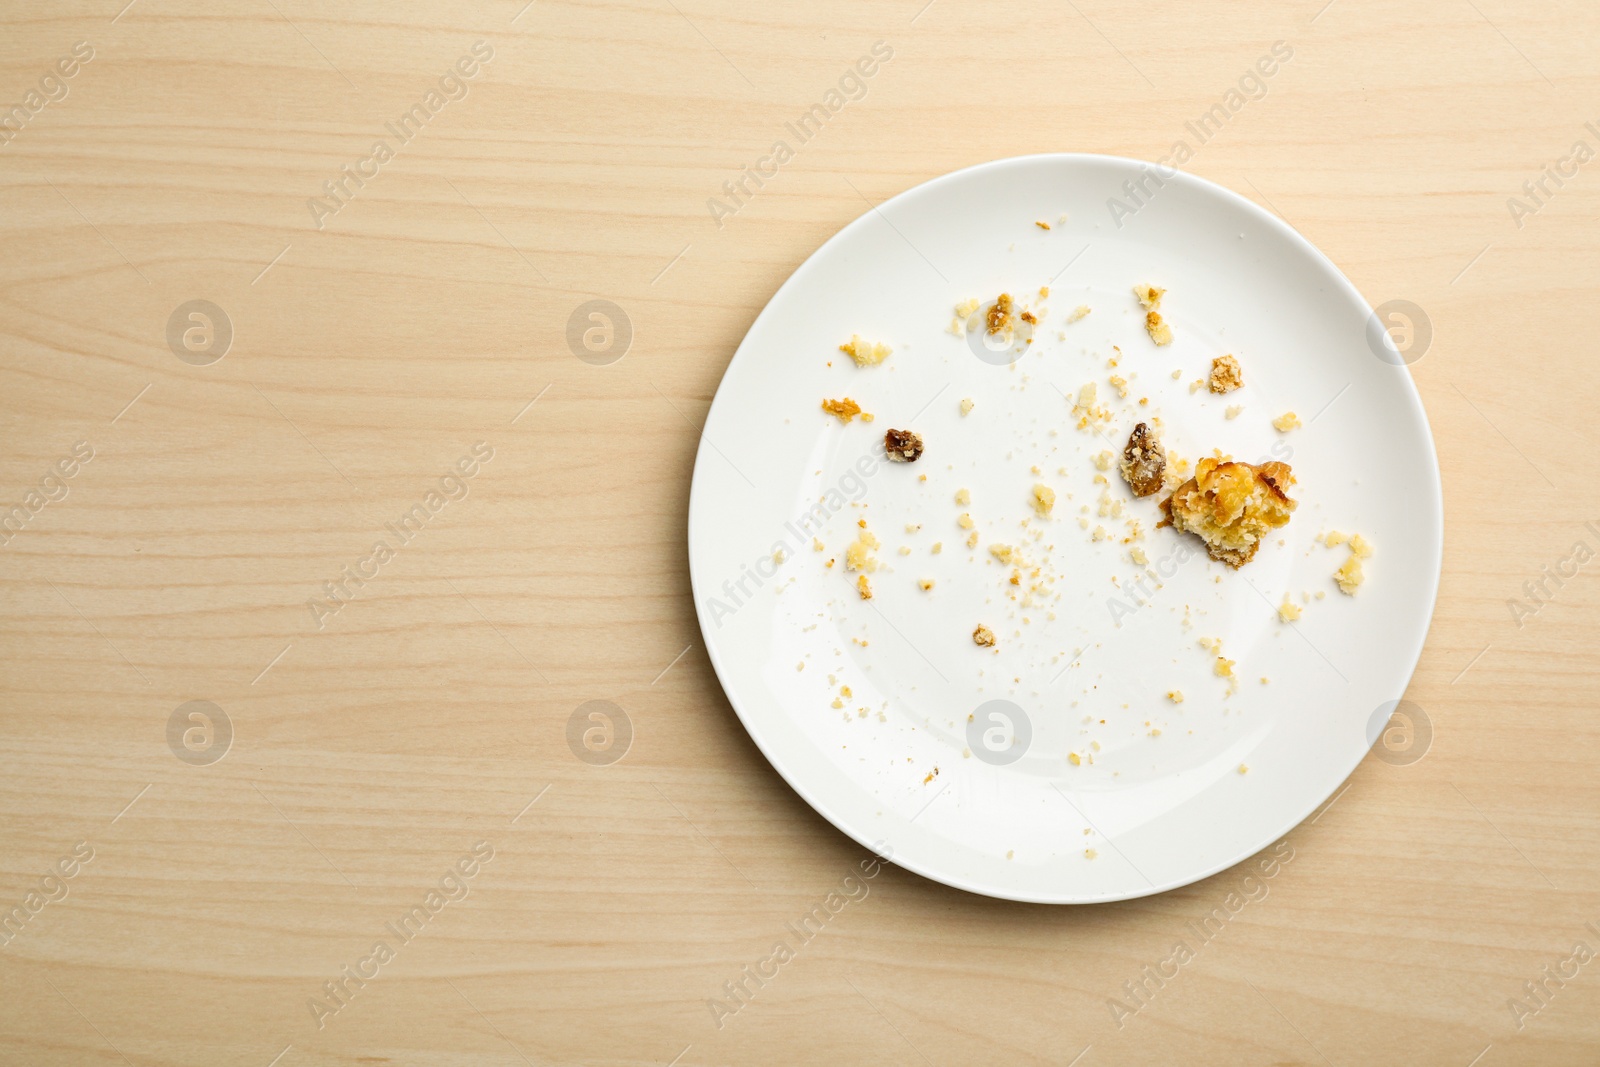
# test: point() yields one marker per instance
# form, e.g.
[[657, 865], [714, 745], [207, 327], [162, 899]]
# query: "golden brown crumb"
[[1079, 312], [1144, 461], [983, 636], [998, 319], [902, 446], [1044, 292], [844, 410], [1286, 422], [1175, 696], [1287, 612], [1042, 225], [926, 583], [1226, 374], [1157, 328], [865, 353], [1149, 296], [1044, 498], [1231, 506], [864, 587], [1030, 318]]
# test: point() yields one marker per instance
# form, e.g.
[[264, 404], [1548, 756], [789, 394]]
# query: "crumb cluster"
[[1231, 506]]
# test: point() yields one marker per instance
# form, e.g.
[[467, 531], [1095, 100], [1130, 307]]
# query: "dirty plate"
[[1055, 766]]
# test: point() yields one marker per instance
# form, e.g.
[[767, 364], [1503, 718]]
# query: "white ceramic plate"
[[916, 761]]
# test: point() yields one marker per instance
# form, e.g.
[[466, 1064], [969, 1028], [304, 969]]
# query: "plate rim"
[[1410, 392]]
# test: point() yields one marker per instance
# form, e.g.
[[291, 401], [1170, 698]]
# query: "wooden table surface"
[[186, 491]]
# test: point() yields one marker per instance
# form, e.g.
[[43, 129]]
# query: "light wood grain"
[[369, 754]]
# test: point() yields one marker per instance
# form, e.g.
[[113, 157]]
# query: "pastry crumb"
[[844, 410], [998, 320], [864, 587], [1079, 312], [1226, 374], [858, 555], [1044, 499], [1231, 506], [1233, 411], [926, 584], [1157, 328], [1286, 422], [967, 405], [865, 353], [983, 636], [1174, 695], [1349, 576], [1288, 612], [964, 310]]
